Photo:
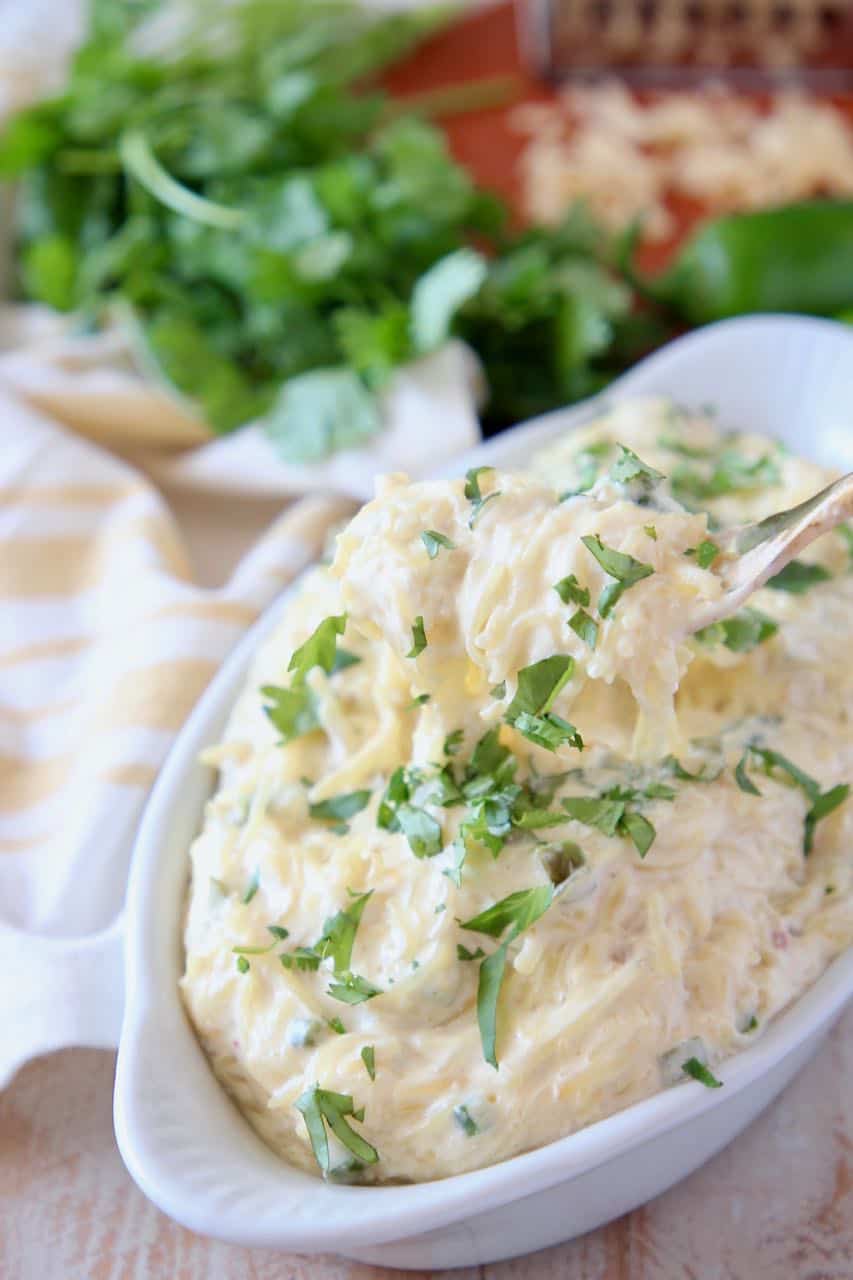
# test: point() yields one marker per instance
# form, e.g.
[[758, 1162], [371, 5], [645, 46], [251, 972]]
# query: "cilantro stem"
[[141, 163]]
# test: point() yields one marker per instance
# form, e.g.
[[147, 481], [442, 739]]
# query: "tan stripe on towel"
[[69, 495], [65, 566]]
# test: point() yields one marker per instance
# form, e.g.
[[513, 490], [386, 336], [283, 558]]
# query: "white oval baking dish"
[[186, 1144]]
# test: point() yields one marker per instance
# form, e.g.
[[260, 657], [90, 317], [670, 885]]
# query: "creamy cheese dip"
[[496, 851]]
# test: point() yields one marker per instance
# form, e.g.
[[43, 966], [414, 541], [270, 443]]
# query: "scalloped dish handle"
[[62, 993]]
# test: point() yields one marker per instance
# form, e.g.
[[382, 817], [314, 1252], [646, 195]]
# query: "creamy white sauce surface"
[[509, 728]]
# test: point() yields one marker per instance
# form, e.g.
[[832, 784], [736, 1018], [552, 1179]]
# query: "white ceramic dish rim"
[[365, 1216]]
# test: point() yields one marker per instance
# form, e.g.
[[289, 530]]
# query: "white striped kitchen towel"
[[106, 641]]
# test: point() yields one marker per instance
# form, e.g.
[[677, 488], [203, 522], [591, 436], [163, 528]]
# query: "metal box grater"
[[753, 44]]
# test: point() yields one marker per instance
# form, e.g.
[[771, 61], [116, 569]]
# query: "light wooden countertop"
[[776, 1205]]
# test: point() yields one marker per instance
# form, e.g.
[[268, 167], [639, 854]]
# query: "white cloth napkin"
[[107, 637]]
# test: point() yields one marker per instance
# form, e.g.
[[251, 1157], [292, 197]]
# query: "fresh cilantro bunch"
[[275, 240]]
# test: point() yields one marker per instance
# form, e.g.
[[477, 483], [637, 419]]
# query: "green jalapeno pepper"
[[797, 257]]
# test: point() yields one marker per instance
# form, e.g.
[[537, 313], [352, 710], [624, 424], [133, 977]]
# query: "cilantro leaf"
[[321, 1108], [624, 568], [798, 577], [440, 292], [549, 731], [242, 964], [628, 467], [520, 910], [338, 936], [435, 541], [319, 650], [340, 808], [321, 412], [368, 1057], [489, 984], [453, 742], [466, 1122], [595, 811], [292, 711], [252, 887], [462, 953], [539, 685], [421, 830], [611, 814], [352, 989], [571, 592], [741, 633], [706, 553], [729, 472], [640, 830], [693, 1067], [585, 627], [419, 640], [337, 1026], [773, 762], [473, 494]]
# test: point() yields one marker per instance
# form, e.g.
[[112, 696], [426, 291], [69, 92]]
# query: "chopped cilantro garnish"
[[337, 1026], [706, 774], [628, 467], [730, 472], [549, 731], [588, 464], [368, 1057], [693, 1067], [340, 808], [750, 1025], [596, 811], [466, 1123], [640, 830], [336, 940], [798, 577], [742, 778], [304, 959], [462, 953], [454, 871], [741, 633], [292, 711], [624, 568], [685, 450], [453, 742], [706, 553], [343, 660], [651, 532], [473, 494], [498, 691], [520, 909], [420, 700], [529, 711], [319, 650], [585, 627], [611, 813], [252, 887], [571, 592], [353, 989], [321, 1107], [434, 541], [419, 640], [278, 932], [773, 762], [421, 830], [242, 964]]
